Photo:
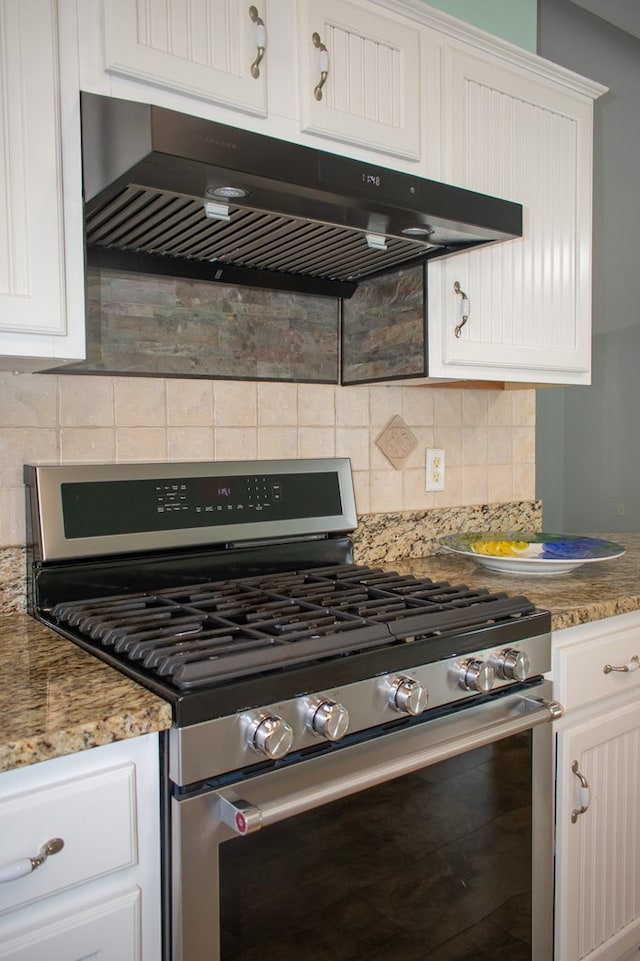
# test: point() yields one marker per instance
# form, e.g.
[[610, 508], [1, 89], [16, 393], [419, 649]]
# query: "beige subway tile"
[[316, 405], [500, 483], [385, 402], [12, 516], [141, 444], [418, 406], [87, 445], [475, 485], [352, 406], [451, 496], [235, 403], [189, 403], [415, 497], [277, 442], [500, 413], [353, 442], [386, 491], [316, 442], [524, 445], [86, 401], [28, 400], [475, 407], [236, 443], [447, 407], [361, 491], [139, 402], [190, 443], [500, 446], [25, 445], [524, 408], [449, 439], [278, 405], [524, 482], [474, 445]]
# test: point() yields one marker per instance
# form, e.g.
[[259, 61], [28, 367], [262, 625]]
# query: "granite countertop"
[[589, 593], [56, 699]]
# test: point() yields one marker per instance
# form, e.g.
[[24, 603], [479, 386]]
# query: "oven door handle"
[[392, 756]]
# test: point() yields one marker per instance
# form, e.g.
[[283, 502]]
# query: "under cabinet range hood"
[[179, 195]]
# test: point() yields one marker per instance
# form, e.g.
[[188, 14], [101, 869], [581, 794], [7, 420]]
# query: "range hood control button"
[[328, 719], [271, 735], [407, 696], [476, 675], [511, 664]]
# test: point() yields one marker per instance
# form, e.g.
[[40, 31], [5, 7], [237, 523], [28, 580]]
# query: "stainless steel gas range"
[[300, 682]]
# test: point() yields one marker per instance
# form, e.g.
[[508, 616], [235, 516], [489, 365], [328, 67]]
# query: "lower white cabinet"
[[598, 791], [98, 894]]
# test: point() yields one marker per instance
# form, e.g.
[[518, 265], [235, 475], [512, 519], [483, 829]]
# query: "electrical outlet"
[[435, 469]]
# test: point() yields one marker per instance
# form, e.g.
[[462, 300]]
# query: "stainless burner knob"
[[328, 719], [271, 735], [406, 695], [511, 664], [476, 675]]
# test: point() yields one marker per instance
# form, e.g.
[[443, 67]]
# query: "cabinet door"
[[31, 239], [371, 95], [109, 930], [598, 851], [513, 135], [201, 48]]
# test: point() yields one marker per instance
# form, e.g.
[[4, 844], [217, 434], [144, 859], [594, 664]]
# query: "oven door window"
[[433, 866]]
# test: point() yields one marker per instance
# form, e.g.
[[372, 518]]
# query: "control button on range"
[[328, 719], [406, 695]]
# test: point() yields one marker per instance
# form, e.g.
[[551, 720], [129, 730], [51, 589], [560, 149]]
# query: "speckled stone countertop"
[[589, 593], [56, 699]]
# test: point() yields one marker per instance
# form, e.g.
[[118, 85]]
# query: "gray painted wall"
[[588, 438]]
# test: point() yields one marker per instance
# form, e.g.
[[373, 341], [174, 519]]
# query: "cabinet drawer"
[[582, 654], [93, 814]]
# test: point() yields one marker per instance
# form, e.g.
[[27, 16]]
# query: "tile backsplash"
[[488, 435]]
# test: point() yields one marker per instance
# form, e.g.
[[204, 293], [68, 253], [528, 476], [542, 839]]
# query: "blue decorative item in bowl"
[[526, 552]]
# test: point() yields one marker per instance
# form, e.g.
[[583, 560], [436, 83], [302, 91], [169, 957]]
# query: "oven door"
[[427, 843]]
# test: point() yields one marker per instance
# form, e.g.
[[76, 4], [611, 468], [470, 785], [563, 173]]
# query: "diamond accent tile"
[[396, 441]]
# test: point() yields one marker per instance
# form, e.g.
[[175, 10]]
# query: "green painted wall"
[[513, 20]]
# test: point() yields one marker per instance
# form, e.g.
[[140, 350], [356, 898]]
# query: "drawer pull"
[[323, 63], [632, 665], [23, 866], [464, 309], [261, 41], [584, 795]]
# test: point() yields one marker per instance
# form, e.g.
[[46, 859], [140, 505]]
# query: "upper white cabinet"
[[211, 49], [360, 76], [517, 135], [39, 314]]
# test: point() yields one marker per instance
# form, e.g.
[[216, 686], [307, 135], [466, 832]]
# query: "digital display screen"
[[98, 508]]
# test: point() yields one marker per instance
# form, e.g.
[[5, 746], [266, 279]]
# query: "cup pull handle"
[[23, 866], [584, 794]]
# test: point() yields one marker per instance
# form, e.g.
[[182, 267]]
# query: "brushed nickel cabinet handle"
[[465, 309], [323, 61], [632, 665], [584, 794], [261, 41], [22, 866]]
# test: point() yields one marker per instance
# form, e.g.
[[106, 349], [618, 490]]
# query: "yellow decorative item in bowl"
[[524, 552]]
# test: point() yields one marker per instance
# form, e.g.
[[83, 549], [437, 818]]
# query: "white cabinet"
[[525, 137], [41, 310], [598, 791], [361, 76], [208, 49], [98, 895], [200, 56]]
